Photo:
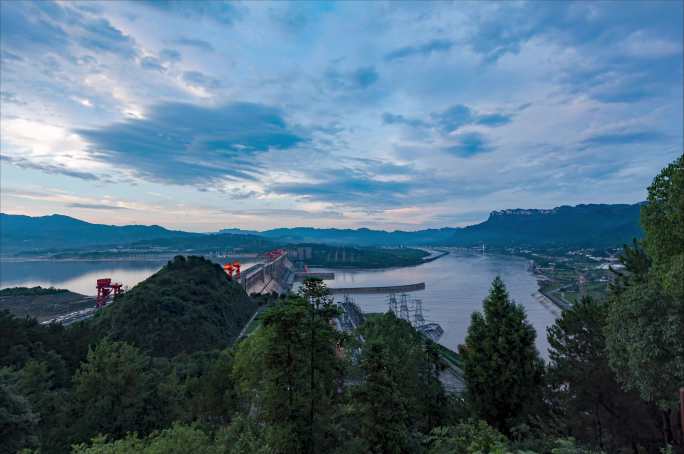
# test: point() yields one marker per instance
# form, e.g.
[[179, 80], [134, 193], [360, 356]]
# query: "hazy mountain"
[[26, 233], [565, 226], [582, 225]]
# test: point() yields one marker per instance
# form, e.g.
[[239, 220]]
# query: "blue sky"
[[402, 115]]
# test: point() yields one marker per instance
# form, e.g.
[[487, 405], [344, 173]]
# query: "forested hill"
[[26, 233], [187, 306], [579, 226]]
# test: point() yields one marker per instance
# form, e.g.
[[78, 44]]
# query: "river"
[[456, 284]]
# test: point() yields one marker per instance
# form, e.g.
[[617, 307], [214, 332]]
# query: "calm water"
[[455, 285]]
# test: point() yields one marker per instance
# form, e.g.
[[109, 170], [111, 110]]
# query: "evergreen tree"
[[501, 365], [115, 391], [380, 412], [17, 420], [273, 372]]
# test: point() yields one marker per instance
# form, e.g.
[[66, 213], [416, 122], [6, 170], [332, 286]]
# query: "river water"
[[456, 284]]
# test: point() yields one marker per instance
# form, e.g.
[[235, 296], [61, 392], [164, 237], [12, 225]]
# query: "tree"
[[467, 438], [273, 373], [379, 411], [115, 391], [645, 327], [662, 218], [17, 420], [593, 406], [320, 308], [501, 365]]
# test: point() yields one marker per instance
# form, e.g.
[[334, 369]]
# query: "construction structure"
[[411, 310], [231, 268], [105, 290]]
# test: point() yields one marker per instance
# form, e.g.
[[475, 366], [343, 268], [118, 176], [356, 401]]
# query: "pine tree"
[[379, 408], [502, 368]]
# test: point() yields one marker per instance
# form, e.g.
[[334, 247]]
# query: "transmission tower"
[[418, 319], [403, 308]]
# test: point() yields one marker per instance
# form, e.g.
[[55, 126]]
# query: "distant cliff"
[[565, 226]]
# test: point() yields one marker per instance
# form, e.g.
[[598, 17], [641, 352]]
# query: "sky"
[[393, 115]]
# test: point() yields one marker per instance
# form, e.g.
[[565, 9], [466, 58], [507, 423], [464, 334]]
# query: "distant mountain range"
[[26, 233], [596, 225]]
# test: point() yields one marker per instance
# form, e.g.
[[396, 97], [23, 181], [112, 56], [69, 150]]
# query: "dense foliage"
[[189, 305], [645, 324]]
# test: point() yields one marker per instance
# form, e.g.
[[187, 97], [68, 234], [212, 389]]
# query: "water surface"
[[456, 284]]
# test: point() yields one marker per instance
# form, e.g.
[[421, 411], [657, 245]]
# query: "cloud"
[[358, 79], [221, 11], [394, 119], [365, 77], [436, 45], [186, 144], [469, 144], [348, 188], [195, 43], [623, 138], [453, 118], [9, 97], [152, 63], [198, 79], [170, 55], [100, 36], [450, 120], [95, 206], [52, 169], [495, 119], [54, 27]]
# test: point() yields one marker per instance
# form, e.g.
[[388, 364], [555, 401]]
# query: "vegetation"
[[503, 371], [645, 325], [189, 305], [297, 385]]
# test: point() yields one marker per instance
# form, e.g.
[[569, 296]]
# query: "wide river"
[[456, 284]]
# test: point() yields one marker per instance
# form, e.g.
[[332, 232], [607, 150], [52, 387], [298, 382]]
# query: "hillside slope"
[[189, 305]]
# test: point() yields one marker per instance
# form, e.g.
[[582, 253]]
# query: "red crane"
[[231, 268], [274, 254], [105, 288]]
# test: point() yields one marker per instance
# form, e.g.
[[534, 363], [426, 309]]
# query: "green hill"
[[188, 305]]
